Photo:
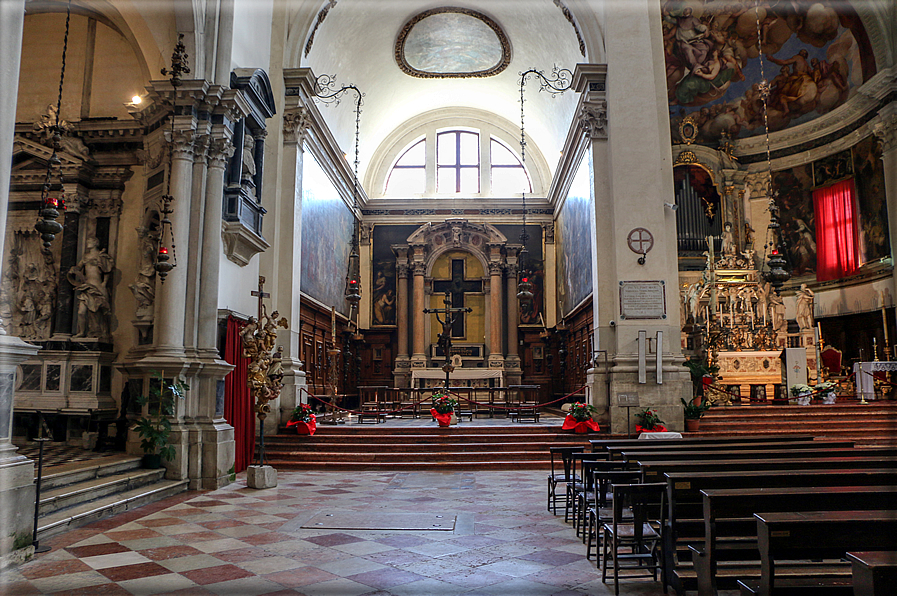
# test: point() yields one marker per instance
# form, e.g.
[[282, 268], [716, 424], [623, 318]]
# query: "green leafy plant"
[[154, 428], [581, 412], [649, 419], [801, 389], [825, 387], [443, 404], [693, 411], [302, 413]]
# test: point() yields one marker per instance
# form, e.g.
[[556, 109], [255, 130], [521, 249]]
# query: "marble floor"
[[241, 541]]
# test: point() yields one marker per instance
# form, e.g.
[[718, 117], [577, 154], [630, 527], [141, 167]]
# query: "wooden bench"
[[602, 444], [730, 526], [816, 535], [690, 451], [685, 519], [874, 573]]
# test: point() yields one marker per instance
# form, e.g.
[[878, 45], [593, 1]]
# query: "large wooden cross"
[[261, 295], [458, 285], [445, 338]]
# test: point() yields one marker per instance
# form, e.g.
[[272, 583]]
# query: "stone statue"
[[144, 287], [89, 279], [804, 307], [728, 244], [777, 311]]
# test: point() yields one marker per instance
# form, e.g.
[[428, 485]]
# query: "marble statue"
[[144, 287], [89, 279], [804, 315]]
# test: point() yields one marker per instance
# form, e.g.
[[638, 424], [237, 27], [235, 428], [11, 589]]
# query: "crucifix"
[[261, 296], [458, 285], [445, 338]]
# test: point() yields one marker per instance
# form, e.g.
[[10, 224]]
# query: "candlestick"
[[884, 322], [333, 323]]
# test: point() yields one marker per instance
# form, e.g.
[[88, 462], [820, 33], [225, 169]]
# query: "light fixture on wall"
[[561, 80], [324, 92], [671, 206], [51, 205], [165, 262], [776, 273]]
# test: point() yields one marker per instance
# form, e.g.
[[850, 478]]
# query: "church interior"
[[217, 214]]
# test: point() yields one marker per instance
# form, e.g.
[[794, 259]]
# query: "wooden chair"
[[831, 362], [636, 540], [602, 510], [555, 478]]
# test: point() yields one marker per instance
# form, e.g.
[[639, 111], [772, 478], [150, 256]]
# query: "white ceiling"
[[356, 42]]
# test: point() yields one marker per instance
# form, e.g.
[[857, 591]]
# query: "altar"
[[865, 379], [460, 377], [751, 367]]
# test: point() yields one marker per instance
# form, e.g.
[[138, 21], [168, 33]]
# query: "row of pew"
[[772, 514]]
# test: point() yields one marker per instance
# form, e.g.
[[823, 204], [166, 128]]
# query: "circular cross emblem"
[[640, 241]]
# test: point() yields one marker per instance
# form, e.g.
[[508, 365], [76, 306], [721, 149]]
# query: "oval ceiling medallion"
[[452, 43]]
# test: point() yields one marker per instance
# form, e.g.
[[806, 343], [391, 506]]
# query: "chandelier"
[[165, 262], [50, 205], [325, 93], [557, 83]]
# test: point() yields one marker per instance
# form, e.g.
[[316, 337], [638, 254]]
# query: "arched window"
[[409, 176], [458, 162], [508, 174]]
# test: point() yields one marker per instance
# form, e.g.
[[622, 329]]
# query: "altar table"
[[865, 382]]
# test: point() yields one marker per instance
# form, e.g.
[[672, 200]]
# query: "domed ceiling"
[[816, 54]]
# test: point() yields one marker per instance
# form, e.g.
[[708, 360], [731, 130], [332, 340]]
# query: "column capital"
[[592, 117], [495, 268], [296, 122], [181, 142], [886, 128], [402, 271], [548, 232], [419, 269], [219, 152]]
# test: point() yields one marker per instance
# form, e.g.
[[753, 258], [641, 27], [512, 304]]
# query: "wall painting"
[[574, 242]]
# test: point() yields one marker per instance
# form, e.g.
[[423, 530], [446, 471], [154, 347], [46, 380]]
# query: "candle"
[[884, 322], [333, 323]]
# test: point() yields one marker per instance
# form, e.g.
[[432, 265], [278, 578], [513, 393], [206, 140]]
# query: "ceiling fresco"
[[815, 56]]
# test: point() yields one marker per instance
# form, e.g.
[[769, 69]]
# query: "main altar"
[[735, 317]]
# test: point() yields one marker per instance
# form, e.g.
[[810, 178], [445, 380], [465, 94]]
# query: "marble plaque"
[[642, 300]]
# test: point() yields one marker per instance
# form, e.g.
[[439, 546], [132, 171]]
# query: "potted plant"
[[154, 427], [826, 391], [579, 418], [649, 422], [303, 420], [700, 368], [693, 413], [800, 394], [443, 409]]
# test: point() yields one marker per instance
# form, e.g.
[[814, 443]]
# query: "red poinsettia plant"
[[579, 418], [303, 420], [650, 422]]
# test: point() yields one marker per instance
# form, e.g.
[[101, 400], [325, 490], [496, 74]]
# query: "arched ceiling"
[[356, 43]]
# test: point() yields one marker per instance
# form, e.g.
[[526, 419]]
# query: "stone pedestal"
[[16, 471], [261, 477]]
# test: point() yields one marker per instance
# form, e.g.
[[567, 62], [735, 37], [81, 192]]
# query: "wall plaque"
[[643, 300], [627, 399]]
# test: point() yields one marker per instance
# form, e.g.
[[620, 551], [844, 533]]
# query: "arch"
[[456, 234]]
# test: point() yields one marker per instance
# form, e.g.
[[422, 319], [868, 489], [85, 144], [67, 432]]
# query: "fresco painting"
[[573, 237], [870, 184], [815, 56], [326, 237]]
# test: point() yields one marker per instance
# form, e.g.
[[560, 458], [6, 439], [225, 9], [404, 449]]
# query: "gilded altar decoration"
[[265, 363]]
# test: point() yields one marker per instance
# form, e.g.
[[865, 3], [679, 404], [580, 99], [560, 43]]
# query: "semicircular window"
[[452, 43]]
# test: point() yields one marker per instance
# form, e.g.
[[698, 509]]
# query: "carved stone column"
[[512, 360], [172, 296], [496, 356], [419, 357], [194, 268], [886, 130], [402, 273]]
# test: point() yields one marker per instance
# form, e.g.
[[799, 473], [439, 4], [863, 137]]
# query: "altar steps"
[[378, 447], [869, 425]]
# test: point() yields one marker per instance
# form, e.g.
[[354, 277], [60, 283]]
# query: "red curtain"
[[237, 400], [837, 253]]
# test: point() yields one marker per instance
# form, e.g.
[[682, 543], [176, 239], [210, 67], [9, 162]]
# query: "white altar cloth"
[[864, 380], [459, 374]]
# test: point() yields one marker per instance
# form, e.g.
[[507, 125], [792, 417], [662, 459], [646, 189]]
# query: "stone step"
[[373, 455], [63, 497], [402, 466], [72, 517], [312, 447], [67, 474]]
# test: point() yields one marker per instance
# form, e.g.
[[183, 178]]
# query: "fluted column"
[[219, 152], [194, 238], [496, 357], [886, 130], [172, 295], [419, 357]]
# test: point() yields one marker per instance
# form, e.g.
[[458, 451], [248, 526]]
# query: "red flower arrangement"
[[303, 420]]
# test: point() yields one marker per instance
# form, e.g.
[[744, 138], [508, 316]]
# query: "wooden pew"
[[645, 457], [815, 535], [602, 444], [730, 528], [874, 573], [685, 518], [617, 452]]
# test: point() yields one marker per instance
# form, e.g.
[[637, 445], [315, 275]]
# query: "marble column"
[[195, 265], [886, 130], [496, 356], [16, 471], [402, 359], [171, 301], [419, 357], [512, 360]]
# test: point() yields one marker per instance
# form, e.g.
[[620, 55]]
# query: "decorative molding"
[[220, 150], [593, 118], [321, 16], [569, 16], [241, 243], [886, 128], [548, 232], [411, 71]]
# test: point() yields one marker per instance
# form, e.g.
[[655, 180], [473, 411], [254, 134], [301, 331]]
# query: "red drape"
[[837, 253], [237, 400]]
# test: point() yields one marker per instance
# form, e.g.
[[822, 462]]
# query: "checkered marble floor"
[[241, 541]]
